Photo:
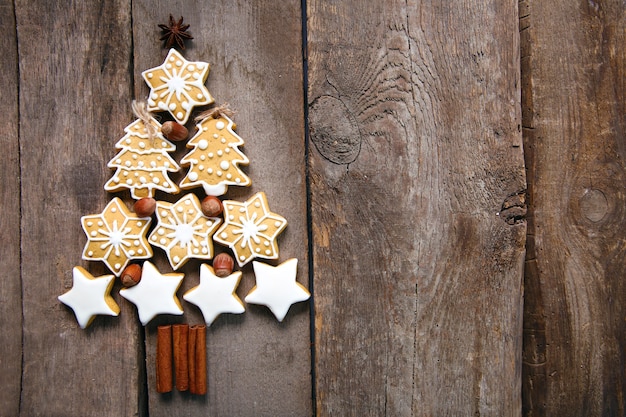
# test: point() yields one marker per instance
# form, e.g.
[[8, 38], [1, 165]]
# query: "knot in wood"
[[514, 209], [334, 131], [594, 205]]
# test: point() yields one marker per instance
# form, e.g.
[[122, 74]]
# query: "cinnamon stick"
[[164, 359], [199, 360], [180, 338], [191, 351]]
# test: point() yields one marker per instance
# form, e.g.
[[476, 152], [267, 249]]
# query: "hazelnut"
[[145, 207], [174, 131], [223, 264], [131, 275], [211, 206]]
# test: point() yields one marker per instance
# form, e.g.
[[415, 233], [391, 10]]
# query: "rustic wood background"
[[453, 177]]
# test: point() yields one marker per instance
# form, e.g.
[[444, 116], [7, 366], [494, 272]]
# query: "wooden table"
[[420, 161]]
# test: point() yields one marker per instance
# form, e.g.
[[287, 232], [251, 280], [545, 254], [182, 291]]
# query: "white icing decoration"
[[90, 296], [224, 165], [277, 288], [215, 295], [203, 144], [176, 81], [193, 176], [154, 294], [249, 228], [183, 228]]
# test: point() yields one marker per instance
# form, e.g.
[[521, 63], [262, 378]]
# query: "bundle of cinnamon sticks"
[[185, 347]]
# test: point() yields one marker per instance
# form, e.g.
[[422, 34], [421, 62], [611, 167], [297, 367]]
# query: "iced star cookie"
[[177, 86], [277, 288], [182, 230], [215, 295], [90, 296], [215, 157], [143, 163], [250, 229], [155, 293], [116, 236]]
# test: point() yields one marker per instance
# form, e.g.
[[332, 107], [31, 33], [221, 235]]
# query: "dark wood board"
[[574, 97], [10, 286], [256, 365], [416, 166], [74, 90]]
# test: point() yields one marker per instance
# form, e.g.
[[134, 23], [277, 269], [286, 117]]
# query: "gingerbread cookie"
[[177, 86], [155, 293], [143, 162], [90, 296], [250, 229], [215, 157], [182, 230], [276, 287], [215, 295], [116, 236]]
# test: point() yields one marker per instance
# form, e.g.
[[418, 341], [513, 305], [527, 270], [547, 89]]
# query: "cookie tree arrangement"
[[123, 237]]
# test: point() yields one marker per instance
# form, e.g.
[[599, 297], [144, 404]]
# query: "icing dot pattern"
[[177, 86], [250, 229], [116, 236], [215, 157], [183, 232], [142, 165]]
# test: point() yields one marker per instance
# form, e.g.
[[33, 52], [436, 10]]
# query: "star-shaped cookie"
[[215, 295], [250, 229], [116, 236], [155, 293], [90, 296], [276, 287], [182, 231], [177, 86]]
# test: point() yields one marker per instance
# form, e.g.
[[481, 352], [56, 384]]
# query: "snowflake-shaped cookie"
[[177, 86], [250, 229], [116, 236], [182, 230]]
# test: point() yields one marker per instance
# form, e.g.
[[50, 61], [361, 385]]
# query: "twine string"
[[216, 112], [142, 113]]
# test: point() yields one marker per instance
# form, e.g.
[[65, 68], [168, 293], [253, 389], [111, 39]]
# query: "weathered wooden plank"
[[10, 287], [415, 150], [574, 93], [256, 366], [74, 62]]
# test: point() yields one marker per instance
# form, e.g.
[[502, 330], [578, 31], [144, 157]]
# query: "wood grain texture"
[[256, 366], [417, 183], [74, 64], [574, 97], [10, 286]]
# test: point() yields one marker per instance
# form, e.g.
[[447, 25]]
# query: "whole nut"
[[145, 207], [211, 206], [223, 264], [131, 275], [174, 131]]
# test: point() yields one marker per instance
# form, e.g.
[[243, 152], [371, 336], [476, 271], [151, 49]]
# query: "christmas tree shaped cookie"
[[143, 163], [177, 86], [215, 157]]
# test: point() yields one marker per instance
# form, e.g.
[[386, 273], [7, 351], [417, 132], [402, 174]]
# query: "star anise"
[[175, 33]]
